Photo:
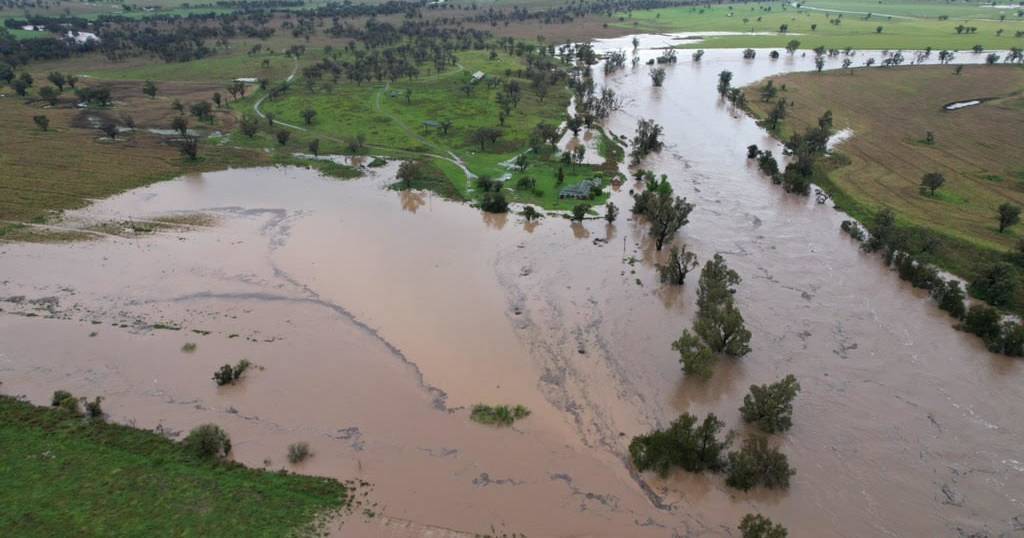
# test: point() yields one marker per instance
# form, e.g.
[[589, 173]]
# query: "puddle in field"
[[379, 317], [962, 104]]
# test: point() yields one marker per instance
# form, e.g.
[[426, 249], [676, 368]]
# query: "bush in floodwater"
[[985, 322], [189, 347], [298, 452], [494, 202], [758, 464], [499, 415], [770, 407], [950, 297], [228, 374], [854, 230], [208, 441], [694, 355], [752, 151], [758, 526], [687, 444], [59, 396], [93, 408], [997, 285]]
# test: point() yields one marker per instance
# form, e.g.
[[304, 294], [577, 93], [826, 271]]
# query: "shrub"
[[695, 357], [983, 321], [952, 299], [854, 229], [189, 347], [298, 452], [758, 464], [579, 212], [208, 441], [228, 374], [499, 415], [758, 526], [770, 407]]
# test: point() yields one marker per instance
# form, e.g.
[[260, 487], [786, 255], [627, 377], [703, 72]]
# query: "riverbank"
[[891, 112], [66, 474]]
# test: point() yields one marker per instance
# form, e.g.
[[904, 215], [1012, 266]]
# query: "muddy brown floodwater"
[[377, 318]]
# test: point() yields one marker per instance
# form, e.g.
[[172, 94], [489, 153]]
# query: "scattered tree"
[[1009, 215], [680, 263], [314, 147], [758, 464], [282, 136], [308, 115], [149, 88], [758, 526], [932, 181], [42, 122]]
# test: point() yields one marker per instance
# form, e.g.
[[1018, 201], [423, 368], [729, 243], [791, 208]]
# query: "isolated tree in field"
[[724, 82], [719, 323], [314, 147], [270, 119], [560, 177], [680, 263], [932, 181], [792, 46], [149, 88], [657, 76], [758, 464], [308, 115], [57, 79], [283, 135], [20, 87], [189, 146], [694, 355], [249, 124], [484, 135], [758, 526], [878, 30], [777, 114], [770, 407], [71, 80], [180, 124], [49, 94], [445, 125], [218, 99], [202, 110], [1009, 215], [611, 211], [42, 122], [110, 130], [177, 106]]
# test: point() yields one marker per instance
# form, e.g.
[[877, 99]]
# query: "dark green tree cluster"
[[758, 464], [689, 443], [770, 407], [719, 327], [758, 526], [665, 212]]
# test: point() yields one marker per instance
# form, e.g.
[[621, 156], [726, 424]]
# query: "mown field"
[[890, 111], [64, 475], [906, 25]]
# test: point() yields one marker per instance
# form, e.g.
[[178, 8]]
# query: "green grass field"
[[890, 111], [853, 31], [393, 124], [63, 475]]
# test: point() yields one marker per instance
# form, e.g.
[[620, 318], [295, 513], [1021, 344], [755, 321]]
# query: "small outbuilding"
[[477, 77], [584, 190]]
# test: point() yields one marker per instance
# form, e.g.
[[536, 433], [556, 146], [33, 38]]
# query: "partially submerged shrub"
[[189, 347], [758, 526], [228, 374], [298, 452], [93, 408], [758, 464], [208, 441], [770, 407], [66, 401], [499, 415], [59, 396]]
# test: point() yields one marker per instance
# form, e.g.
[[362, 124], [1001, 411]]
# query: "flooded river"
[[377, 318]]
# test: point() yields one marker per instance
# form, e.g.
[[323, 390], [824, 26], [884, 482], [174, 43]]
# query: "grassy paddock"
[[890, 111], [65, 475], [922, 30]]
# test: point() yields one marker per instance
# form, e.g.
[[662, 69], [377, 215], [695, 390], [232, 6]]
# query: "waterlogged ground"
[[378, 317]]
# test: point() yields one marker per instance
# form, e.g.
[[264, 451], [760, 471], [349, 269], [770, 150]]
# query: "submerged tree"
[[680, 263], [695, 357], [719, 323], [758, 464], [657, 76], [770, 407], [758, 526], [724, 82], [646, 140]]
